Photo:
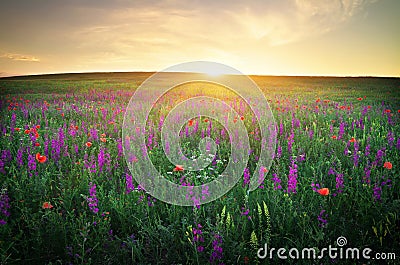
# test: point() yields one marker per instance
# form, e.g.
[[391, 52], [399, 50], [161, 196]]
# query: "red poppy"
[[88, 144], [388, 165], [37, 126], [27, 131], [178, 168], [190, 122], [40, 158], [103, 139], [359, 98], [205, 120], [17, 129], [387, 110], [265, 170], [368, 106], [353, 140], [334, 137], [324, 191], [37, 144], [47, 205], [242, 118]]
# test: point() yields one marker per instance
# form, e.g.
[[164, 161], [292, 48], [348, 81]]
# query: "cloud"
[[211, 25], [20, 57], [296, 20]]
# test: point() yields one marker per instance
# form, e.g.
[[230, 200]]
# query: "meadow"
[[68, 197]]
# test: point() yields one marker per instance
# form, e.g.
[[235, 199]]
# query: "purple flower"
[[20, 153], [92, 199], [301, 158], [129, 183], [90, 164], [204, 191], [150, 201], [120, 149], [277, 182], [245, 212], [198, 237], [13, 121], [367, 172], [311, 134], [4, 206], [367, 150], [6, 155], [341, 130], [377, 192], [292, 178], [281, 129], [386, 182], [379, 156], [217, 254], [355, 155], [390, 138], [315, 186], [246, 177], [339, 183], [323, 218], [2, 166], [279, 152], [93, 134], [103, 159], [31, 163], [290, 142]]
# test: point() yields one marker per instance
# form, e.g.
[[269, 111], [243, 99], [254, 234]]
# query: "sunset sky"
[[287, 37]]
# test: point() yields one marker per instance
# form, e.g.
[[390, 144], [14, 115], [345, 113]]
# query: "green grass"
[[135, 228]]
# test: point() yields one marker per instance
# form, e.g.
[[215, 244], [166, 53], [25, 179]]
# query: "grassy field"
[[68, 197]]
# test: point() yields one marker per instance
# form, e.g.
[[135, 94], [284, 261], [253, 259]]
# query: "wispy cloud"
[[20, 57], [294, 20], [218, 25]]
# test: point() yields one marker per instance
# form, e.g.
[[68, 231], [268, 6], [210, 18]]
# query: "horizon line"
[[152, 72]]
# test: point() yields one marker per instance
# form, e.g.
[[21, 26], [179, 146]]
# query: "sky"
[[286, 37]]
